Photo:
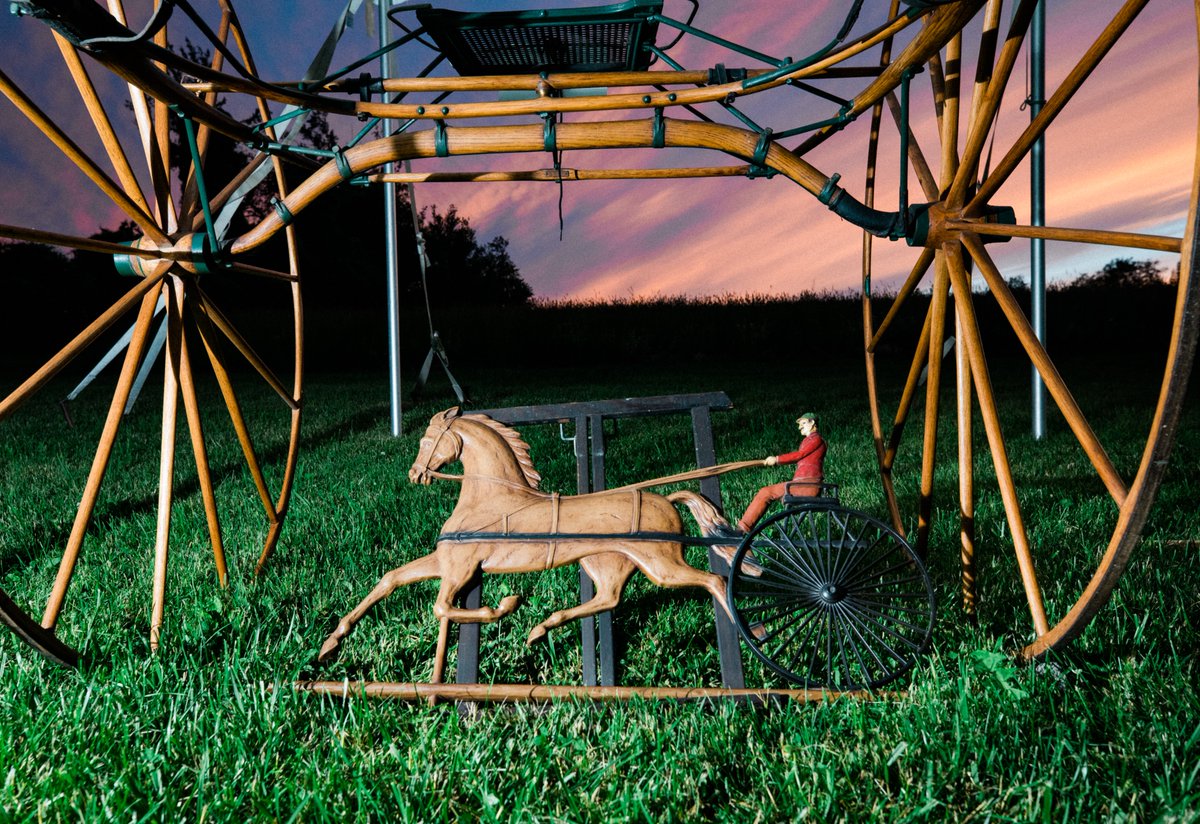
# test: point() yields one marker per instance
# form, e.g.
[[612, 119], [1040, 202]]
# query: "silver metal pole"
[[390, 242], [1037, 208]]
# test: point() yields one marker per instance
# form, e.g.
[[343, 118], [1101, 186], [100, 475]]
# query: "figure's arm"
[[807, 447]]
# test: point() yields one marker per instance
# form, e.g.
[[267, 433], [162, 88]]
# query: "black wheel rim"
[[842, 601]]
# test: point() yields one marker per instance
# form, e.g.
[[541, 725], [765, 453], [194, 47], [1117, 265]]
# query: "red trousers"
[[771, 493]]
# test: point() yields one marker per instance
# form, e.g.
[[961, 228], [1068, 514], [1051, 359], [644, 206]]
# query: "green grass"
[[208, 728]]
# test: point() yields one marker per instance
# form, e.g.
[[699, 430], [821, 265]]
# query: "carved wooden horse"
[[503, 523]]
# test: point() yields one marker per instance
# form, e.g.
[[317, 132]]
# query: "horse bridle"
[[425, 470]]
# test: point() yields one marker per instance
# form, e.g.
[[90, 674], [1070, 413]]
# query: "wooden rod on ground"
[[508, 693]]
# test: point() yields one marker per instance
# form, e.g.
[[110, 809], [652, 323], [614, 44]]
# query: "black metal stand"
[[588, 419]]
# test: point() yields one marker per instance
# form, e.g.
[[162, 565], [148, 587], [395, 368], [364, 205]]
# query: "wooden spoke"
[[218, 319], [88, 244], [85, 164], [1131, 240], [933, 385], [1046, 368], [1057, 101], [112, 423], [910, 284], [166, 469], [919, 361], [984, 111], [235, 412], [259, 271], [116, 154], [966, 472], [984, 67], [949, 111], [97, 327], [196, 430], [190, 189], [915, 156], [991, 424]]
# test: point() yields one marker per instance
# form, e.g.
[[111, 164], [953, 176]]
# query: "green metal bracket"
[[441, 146], [343, 165], [189, 129], [759, 158], [281, 209], [549, 132], [659, 131]]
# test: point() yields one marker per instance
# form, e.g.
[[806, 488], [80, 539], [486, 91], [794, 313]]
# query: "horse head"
[[439, 446]]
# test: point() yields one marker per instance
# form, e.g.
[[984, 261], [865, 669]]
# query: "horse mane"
[[519, 448]]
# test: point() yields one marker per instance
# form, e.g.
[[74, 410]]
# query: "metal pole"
[[1037, 208], [391, 245]]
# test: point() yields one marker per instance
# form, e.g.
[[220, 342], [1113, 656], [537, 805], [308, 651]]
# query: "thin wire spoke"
[[850, 622], [795, 561]]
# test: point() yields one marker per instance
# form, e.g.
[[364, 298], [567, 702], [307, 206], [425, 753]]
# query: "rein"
[[691, 475]]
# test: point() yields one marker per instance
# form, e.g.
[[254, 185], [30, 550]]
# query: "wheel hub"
[[832, 593]]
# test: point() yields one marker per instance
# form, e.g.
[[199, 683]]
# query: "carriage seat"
[[826, 492]]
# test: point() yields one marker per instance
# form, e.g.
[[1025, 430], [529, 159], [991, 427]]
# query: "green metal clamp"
[[343, 165], [658, 132], [549, 132], [281, 209], [759, 158], [441, 145]]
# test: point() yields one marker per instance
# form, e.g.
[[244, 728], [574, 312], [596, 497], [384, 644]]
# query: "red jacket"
[[809, 459]]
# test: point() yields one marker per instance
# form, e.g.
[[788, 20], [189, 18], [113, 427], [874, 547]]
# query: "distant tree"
[[1123, 273], [463, 271]]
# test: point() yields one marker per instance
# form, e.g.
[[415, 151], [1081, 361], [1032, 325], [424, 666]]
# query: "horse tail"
[[703, 510]]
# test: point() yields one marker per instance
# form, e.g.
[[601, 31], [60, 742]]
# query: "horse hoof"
[[536, 634], [329, 647], [508, 604]]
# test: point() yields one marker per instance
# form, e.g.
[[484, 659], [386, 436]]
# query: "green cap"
[[812, 416]]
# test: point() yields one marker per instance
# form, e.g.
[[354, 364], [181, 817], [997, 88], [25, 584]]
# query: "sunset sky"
[[1121, 158]]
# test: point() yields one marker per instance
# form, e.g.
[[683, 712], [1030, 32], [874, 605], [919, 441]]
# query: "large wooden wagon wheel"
[[962, 179], [176, 265]]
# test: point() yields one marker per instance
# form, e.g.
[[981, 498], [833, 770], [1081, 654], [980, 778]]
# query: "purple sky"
[[1120, 159]]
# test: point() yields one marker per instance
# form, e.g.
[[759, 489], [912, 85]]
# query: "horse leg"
[[663, 564], [455, 579], [422, 569], [609, 571]]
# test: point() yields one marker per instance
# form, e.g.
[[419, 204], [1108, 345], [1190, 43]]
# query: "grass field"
[[208, 728]]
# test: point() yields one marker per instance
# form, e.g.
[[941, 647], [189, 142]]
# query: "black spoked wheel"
[[842, 602]]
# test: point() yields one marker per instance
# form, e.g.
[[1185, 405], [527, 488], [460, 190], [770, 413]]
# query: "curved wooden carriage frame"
[[180, 246]]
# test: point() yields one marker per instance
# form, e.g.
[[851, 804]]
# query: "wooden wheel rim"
[[1142, 489], [192, 318]]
